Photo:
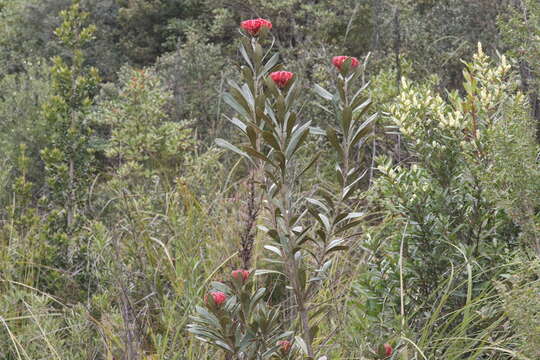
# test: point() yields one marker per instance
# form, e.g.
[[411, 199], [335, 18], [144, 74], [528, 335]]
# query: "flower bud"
[[338, 61], [281, 78], [254, 26], [284, 346], [388, 350], [218, 297], [240, 274]]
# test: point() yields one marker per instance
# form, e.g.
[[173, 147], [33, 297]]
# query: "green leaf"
[[346, 118], [300, 342], [251, 132], [245, 54], [314, 130], [311, 163], [332, 137], [258, 52], [274, 249], [270, 64], [348, 226], [238, 123], [269, 137], [296, 139], [265, 272], [207, 317], [231, 101], [300, 240], [257, 154], [292, 92], [257, 297], [363, 129], [323, 92], [348, 190], [325, 222], [224, 346], [357, 96], [354, 215], [336, 245], [248, 96], [319, 204], [291, 122], [271, 86], [360, 109], [227, 145]]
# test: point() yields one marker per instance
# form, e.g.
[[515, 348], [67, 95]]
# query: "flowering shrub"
[[303, 232], [238, 321]]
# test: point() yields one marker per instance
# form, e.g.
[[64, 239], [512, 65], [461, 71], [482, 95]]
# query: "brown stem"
[[248, 236], [70, 200]]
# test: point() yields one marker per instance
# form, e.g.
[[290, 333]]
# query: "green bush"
[[444, 208]]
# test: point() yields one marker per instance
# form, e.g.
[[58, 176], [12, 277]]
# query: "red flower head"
[[218, 296], [265, 23], [339, 60], [284, 345], [281, 78], [240, 274], [253, 26], [388, 350]]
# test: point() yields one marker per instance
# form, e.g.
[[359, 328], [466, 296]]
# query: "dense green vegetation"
[[177, 183]]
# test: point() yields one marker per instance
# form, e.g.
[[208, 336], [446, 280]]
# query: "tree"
[[141, 134], [69, 155], [149, 28]]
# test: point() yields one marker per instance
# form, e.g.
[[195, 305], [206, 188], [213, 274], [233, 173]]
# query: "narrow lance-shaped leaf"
[[227, 145], [269, 137], [251, 131], [336, 245], [238, 123], [246, 56], [363, 130], [296, 140], [274, 249], [270, 64], [323, 92], [360, 109], [357, 94], [319, 204], [346, 118], [249, 97], [311, 163], [231, 101], [255, 153]]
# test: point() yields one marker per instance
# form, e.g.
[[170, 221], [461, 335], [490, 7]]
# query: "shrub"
[[444, 207], [303, 233]]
